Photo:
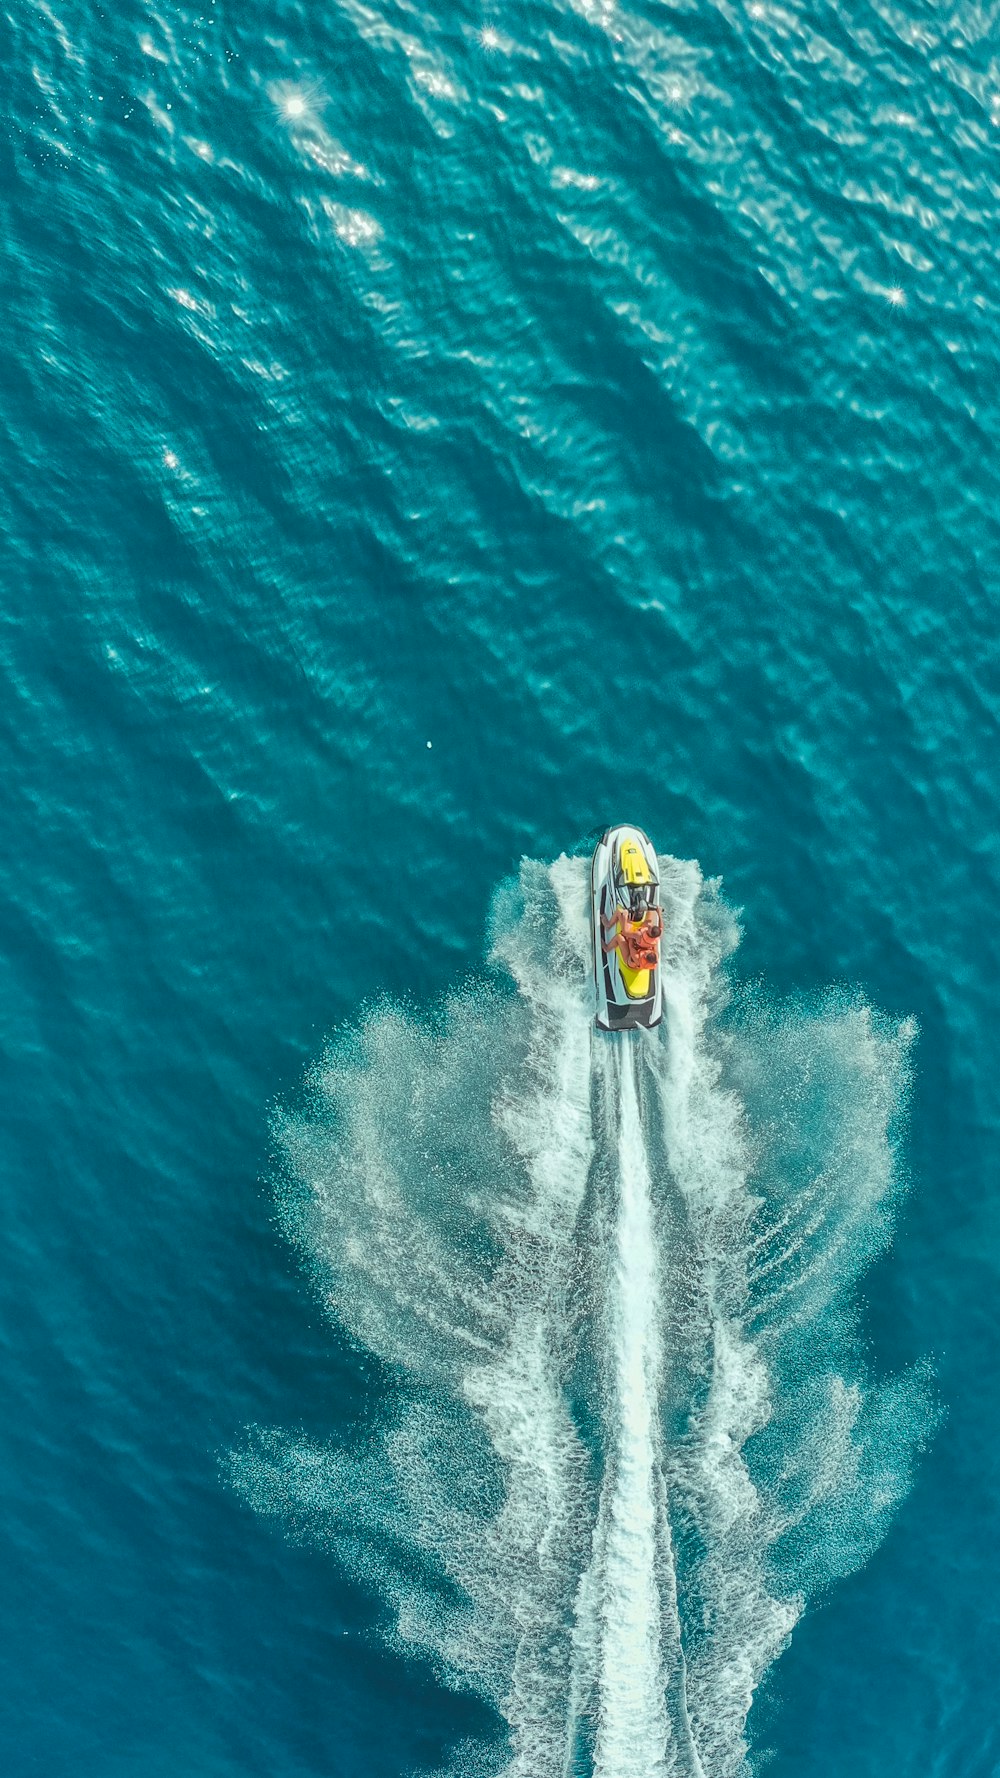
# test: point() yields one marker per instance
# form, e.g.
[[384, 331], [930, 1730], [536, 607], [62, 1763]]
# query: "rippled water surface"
[[427, 438]]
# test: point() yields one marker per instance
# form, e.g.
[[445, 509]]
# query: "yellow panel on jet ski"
[[634, 868], [636, 981]]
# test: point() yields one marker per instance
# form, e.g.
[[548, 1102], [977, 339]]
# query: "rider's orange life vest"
[[641, 947]]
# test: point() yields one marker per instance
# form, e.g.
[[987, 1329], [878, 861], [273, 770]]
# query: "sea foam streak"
[[633, 1730], [608, 1480]]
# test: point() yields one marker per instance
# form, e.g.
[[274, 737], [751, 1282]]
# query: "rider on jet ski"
[[637, 931]]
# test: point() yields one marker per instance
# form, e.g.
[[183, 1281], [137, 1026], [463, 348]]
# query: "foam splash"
[[632, 1556], [623, 1274]]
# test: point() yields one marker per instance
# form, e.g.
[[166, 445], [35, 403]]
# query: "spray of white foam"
[[633, 1730], [628, 1429]]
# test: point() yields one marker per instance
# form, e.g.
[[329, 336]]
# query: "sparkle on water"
[[295, 102]]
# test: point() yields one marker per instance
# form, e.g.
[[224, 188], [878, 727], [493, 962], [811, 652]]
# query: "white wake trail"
[[629, 1429], [633, 1730]]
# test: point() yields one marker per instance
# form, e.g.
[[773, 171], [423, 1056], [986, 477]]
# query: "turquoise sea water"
[[428, 437]]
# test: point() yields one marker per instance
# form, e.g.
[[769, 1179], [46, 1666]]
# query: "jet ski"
[[625, 881]]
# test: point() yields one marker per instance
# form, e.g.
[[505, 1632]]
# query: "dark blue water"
[[426, 439]]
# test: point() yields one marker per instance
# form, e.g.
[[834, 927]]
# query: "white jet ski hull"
[[624, 999]]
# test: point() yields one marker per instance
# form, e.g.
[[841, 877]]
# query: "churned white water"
[[606, 1482], [633, 1732]]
